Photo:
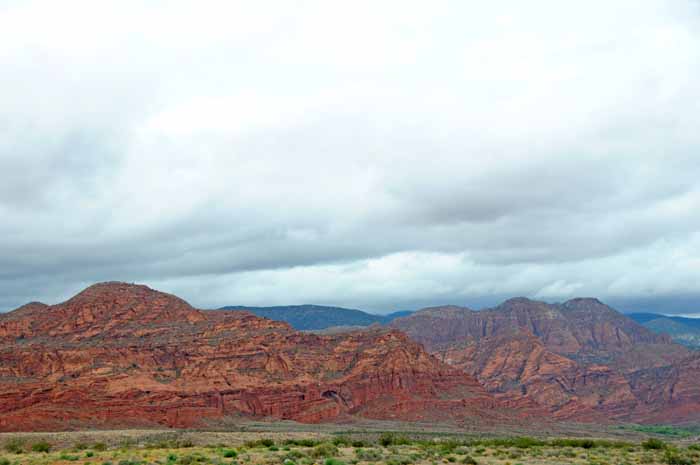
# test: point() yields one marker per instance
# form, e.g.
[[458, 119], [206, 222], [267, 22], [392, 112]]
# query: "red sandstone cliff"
[[123, 355], [580, 360]]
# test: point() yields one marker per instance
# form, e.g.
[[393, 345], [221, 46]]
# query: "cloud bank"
[[378, 155]]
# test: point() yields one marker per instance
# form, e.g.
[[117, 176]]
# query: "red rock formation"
[[121, 355], [578, 360]]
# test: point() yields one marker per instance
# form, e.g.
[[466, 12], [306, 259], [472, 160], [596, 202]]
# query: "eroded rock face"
[[121, 355], [580, 360]]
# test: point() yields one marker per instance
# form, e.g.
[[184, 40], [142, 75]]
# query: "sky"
[[380, 155]]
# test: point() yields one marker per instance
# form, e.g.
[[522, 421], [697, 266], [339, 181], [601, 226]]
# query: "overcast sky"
[[379, 155]]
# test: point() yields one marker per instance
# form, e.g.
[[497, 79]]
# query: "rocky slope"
[[580, 360], [120, 355]]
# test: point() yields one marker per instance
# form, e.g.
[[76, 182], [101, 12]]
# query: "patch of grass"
[[332, 461]]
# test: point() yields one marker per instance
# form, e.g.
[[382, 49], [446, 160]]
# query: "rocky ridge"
[[580, 360], [122, 355]]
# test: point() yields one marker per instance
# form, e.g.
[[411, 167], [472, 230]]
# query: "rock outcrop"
[[121, 355], [580, 360]]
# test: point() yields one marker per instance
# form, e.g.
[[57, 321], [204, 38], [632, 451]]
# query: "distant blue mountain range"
[[317, 317], [682, 330]]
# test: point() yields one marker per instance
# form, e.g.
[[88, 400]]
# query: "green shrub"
[[4, 461], [14, 446], [567, 442], [41, 446], [301, 442], [230, 453], [342, 441], [81, 446], [89, 453], [324, 450], [654, 444], [264, 442], [469, 460], [289, 462], [386, 439], [69, 457], [99, 446]]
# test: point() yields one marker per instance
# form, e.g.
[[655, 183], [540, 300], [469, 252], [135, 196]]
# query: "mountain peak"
[[113, 301], [101, 309], [583, 301], [519, 302]]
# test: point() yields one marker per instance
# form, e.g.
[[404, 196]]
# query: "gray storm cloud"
[[377, 155]]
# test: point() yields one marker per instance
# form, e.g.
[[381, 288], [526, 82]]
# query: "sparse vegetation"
[[390, 448], [673, 457]]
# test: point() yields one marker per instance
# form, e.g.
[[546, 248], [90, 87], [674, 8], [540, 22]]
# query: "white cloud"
[[372, 154]]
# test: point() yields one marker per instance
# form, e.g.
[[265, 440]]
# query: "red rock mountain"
[[580, 360], [119, 355]]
